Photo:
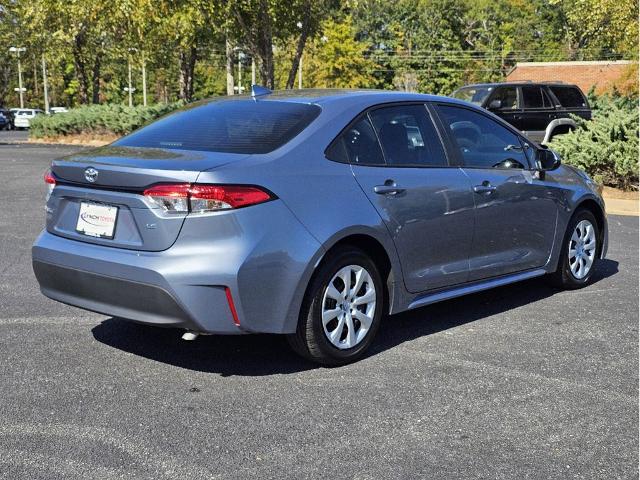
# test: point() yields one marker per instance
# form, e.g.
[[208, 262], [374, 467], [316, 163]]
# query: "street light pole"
[[239, 73], [300, 73], [253, 71], [17, 51], [144, 80], [130, 90]]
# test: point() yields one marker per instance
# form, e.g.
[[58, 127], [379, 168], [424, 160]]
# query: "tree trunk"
[[80, 69], [266, 48], [187, 66], [304, 34], [229, 66], [95, 78]]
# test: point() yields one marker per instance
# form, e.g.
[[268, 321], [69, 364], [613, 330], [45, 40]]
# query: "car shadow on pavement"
[[256, 355]]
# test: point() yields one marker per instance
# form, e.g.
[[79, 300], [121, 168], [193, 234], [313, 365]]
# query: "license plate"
[[97, 220]]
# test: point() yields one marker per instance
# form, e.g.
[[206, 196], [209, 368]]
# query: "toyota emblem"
[[91, 174]]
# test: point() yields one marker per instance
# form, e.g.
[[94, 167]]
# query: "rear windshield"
[[569, 97], [231, 126], [475, 95]]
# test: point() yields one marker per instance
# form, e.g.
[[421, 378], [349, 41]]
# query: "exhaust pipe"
[[189, 336]]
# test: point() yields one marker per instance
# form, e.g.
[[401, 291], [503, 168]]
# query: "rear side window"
[[569, 97], [357, 144], [534, 97], [408, 136], [232, 126]]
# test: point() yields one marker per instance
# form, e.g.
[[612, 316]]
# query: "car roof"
[[336, 96], [519, 83]]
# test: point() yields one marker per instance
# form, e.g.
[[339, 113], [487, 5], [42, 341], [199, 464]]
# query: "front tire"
[[579, 254], [342, 309]]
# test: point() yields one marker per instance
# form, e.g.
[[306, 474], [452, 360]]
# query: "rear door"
[[538, 111], [515, 213], [426, 204]]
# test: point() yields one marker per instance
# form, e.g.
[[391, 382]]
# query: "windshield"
[[231, 126], [475, 95]]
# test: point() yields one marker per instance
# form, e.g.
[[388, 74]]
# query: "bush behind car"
[[606, 147], [111, 119]]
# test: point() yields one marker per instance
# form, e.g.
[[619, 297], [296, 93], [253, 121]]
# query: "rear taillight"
[[50, 180], [201, 198]]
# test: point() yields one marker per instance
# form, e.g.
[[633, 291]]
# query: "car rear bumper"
[[261, 265], [128, 286]]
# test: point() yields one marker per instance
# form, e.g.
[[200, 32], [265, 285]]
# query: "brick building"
[[600, 74]]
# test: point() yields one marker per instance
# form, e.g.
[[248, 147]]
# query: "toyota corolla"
[[312, 214]]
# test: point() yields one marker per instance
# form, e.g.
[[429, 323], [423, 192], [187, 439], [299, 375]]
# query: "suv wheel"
[[341, 311], [579, 252]]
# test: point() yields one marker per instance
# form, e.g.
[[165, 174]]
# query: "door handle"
[[485, 189], [388, 189]]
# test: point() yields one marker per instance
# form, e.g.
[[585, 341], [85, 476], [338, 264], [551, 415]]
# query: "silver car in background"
[[311, 214]]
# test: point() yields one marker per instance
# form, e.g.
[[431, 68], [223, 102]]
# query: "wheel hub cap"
[[348, 307], [582, 249]]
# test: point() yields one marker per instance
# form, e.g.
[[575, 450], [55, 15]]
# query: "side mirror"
[[547, 160], [495, 104]]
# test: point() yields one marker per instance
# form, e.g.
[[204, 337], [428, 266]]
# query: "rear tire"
[[337, 324], [579, 254]]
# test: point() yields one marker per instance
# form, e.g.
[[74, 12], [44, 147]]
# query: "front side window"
[[475, 95], [232, 126], [408, 136], [481, 141], [508, 97]]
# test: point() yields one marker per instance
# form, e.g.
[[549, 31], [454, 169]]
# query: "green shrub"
[[607, 146], [98, 120]]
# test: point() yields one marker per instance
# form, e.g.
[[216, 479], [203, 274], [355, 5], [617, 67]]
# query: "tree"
[[81, 27], [257, 25], [602, 26], [338, 60]]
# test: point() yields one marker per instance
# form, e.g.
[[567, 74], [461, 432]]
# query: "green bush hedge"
[[98, 120], [607, 146]]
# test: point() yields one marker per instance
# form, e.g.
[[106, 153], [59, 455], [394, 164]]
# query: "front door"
[[515, 213], [426, 205], [504, 103]]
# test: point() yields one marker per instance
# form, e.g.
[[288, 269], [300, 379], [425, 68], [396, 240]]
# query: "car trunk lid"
[[87, 183]]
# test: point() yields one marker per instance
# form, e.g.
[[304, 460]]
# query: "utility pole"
[[300, 73], [20, 89], [44, 85]]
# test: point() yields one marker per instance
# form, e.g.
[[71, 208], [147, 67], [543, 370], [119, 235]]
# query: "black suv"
[[539, 110]]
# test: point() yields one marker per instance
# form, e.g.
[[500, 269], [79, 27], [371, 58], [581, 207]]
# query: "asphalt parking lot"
[[521, 382]]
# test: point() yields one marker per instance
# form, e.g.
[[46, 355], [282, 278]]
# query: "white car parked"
[[23, 117]]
